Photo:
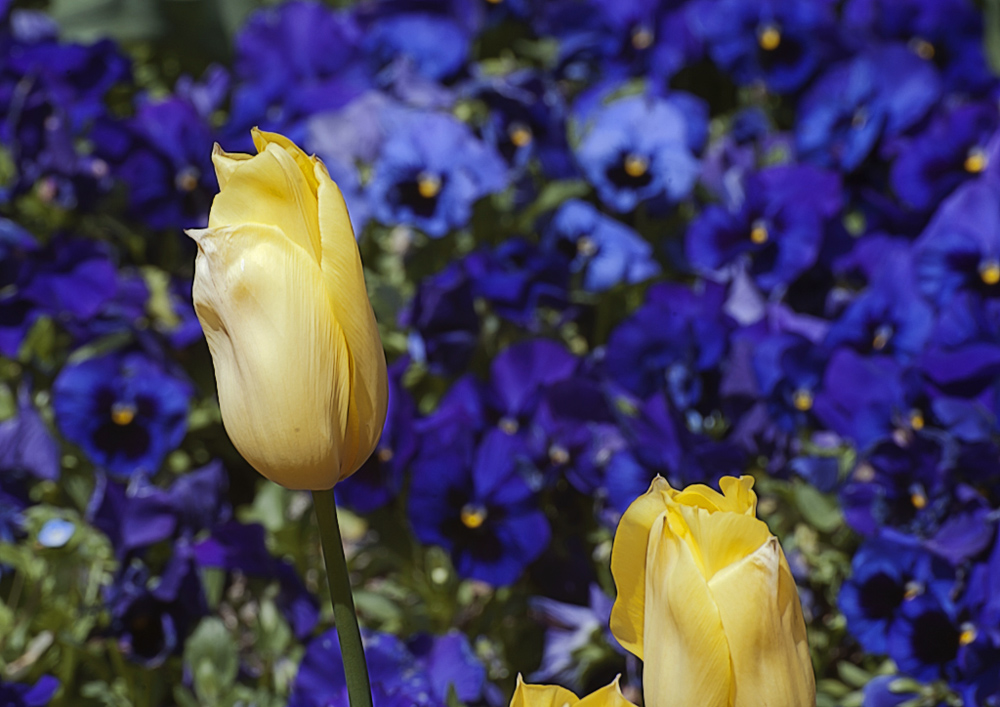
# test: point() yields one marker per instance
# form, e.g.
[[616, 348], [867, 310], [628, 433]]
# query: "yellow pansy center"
[[122, 413], [975, 160], [882, 336], [428, 184], [635, 165], [642, 37], [769, 37], [968, 634], [585, 246], [473, 515], [759, 233], [520, 134], [989, 271], [913, 590], [916, 420], [385, 455], [187, 179], [919, 499], [802, 399], [508, 425], [922, 48], [558, 455]]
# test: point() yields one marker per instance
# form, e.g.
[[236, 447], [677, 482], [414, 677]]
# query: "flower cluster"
[[604, 242]]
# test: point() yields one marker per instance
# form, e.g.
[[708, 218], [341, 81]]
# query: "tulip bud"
[[707, 600], [526, 695], [280, 294]]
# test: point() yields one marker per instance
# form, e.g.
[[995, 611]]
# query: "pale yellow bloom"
[[280, 294], [707, 600], [526, 695]]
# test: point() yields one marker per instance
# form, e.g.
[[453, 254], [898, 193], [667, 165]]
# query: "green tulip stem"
[[359, 689]]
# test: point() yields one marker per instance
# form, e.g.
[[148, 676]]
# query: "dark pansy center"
[[880, 596], [421, 193], [631, 171], [935, 640]]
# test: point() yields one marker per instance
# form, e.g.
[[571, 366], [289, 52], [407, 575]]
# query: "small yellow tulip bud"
[[280, 294], [706, 599]]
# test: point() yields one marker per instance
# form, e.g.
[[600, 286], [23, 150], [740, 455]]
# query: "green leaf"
[[991, 34], [124, 20], [213, 659], [821, 511]]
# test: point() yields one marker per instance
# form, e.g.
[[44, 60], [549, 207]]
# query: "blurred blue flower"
[[642, 148], [606, 251], [924, 641], [26, 446], [876, 95], [15, 694], [163, 155], [789, 370], [778, 43], [430, 171], [960, 248], [436, 45], [56, 532], [473, 501], [125, 411], [151, 619], [885, 574], [882, 691], [517, 278], [444, 326], [777, 224], [17, 254], [674, 342], [949, 151], [398, 677], [293, 61], [570, 628]]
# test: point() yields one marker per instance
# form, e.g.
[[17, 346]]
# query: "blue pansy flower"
[[430, 171], [26, 446], [953, 148], [885, 318], [163, 155], [780, 44], [474, 502], [643, 148], [885, 574], [17, 694], [570, 629], [876, 95], [777, 224], [152, 618], [963, 354], [419, 675], [606, 251], [949, 32], [442, 319], [125, 411], [517, 278], [673, 343], [527, 119], [924, 642], [381, 478], [960, 248], [17, 257], [293, 61], [789, 370]]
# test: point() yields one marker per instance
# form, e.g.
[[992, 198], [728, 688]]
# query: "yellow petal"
[[306, 163], [628, 564], [226, 163], [345, 283], [608, 696], [737, 496], [717, 540], [526, 695], [270, 189], [763, 620], [687, 655], [281, 361]]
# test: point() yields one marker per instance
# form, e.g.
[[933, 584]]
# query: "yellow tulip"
[[280, 294], [706, 599], [526, 695]]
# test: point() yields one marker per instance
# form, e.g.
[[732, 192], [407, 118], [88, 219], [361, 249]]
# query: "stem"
[[359, 690]]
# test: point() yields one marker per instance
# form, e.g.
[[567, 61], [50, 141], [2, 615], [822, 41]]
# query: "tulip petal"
[[526, 695], [345, 282], [262, 138], [226, 163], [254, 293], [762, 617], [687, 654], [737, 496], [628, 564], [607, 696], [717, 540], [269, 189]]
